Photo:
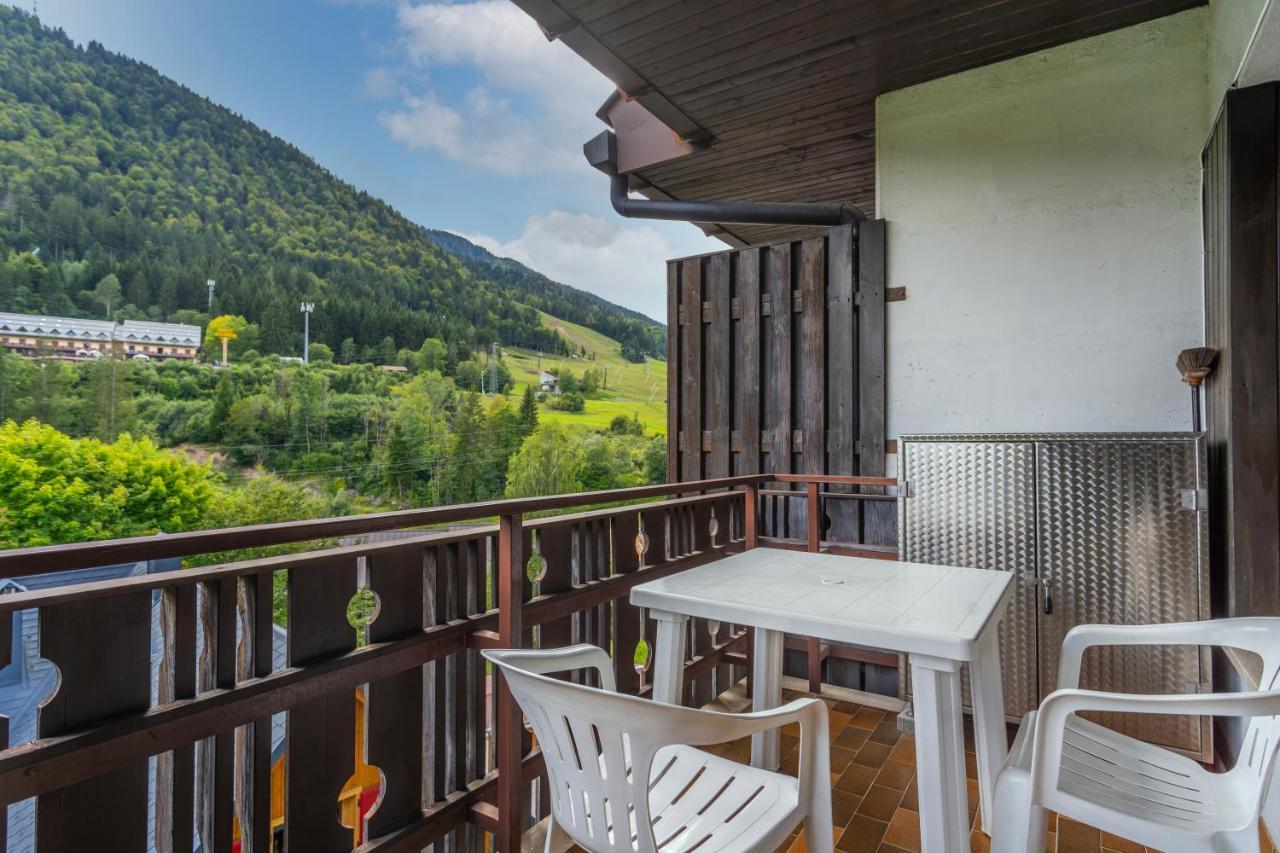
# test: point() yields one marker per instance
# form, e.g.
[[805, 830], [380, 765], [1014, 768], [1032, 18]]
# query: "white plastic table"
[[940, 616]]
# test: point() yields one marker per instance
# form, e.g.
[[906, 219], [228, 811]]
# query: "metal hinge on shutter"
[[1195, 500], [904, 489]]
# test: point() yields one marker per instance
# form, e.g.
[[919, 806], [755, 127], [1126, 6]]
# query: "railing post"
[[813, 515], [509, 725], [751, 504]]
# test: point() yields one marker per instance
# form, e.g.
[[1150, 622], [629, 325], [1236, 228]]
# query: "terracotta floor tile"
[[872, 755], [837, 720], [889, 848], [840, 759], [904, 831], [849, 708], [791, 763], [862, 835], [799, 845], [896, 775], [979, 842], [910, 799], [1120, 845], [880, 803], [886, 731], [843, 806], [851, 738], [970, 765], [1077, 838], [867, 718], [904, 750], [857, 779]]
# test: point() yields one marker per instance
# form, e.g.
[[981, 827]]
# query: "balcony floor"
[[874, 789]]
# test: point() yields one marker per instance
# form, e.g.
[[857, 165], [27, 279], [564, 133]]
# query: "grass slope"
[[633, 389]]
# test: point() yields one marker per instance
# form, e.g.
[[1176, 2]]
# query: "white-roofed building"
[[72, 338]]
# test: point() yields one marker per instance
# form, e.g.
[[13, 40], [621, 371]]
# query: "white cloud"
[[626, 265], [483, 132], [381, 83], [534, 109]]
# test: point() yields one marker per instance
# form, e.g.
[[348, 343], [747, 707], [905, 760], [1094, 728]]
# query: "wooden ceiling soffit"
[[558, 24]]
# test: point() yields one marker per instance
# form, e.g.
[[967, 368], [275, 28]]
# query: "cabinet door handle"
[[1048, 599]]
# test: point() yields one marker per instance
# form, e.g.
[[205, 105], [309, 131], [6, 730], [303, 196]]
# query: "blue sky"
[[461, 115]]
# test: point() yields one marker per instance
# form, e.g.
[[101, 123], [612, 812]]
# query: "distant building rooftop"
[[77, 329]]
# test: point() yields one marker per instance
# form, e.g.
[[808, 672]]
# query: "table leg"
[[766, 685], [991, 738], [940, 777], [668, 664]]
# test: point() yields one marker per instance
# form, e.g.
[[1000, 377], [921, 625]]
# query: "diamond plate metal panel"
[[1117, 546], [973, 504]]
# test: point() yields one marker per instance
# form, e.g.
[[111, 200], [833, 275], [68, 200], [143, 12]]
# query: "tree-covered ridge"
[[638, 334], [108, 167]]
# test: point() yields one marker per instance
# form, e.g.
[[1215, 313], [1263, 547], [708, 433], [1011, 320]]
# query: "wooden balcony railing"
[[161, 723]]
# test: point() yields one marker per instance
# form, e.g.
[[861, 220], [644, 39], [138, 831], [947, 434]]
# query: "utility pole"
[[493, 368], [307, 308], [212, 284]]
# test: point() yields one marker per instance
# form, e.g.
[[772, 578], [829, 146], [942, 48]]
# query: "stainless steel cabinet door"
[[973, 504], [1117, 546]]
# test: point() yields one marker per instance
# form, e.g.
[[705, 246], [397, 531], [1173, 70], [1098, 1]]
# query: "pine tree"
[[528, 410]]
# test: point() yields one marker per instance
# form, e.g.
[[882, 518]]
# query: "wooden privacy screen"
[[776, 363]]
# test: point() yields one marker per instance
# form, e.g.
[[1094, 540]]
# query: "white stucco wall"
[[1044, 216]]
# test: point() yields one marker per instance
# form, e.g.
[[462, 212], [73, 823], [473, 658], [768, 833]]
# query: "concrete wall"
[[1231, 28], [1044, 216]]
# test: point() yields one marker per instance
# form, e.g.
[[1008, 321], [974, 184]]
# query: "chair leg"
[[819, 825], [1017, 826]]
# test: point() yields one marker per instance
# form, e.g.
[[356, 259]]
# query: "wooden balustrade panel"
[[627, 628], [320, 746], [394, 706], [555, 547], [778, 366], [88, 640]]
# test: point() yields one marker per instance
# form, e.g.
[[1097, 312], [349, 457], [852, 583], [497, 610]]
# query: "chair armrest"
[[1082, 637], [547, 661], [1060, 705], [712, 727]]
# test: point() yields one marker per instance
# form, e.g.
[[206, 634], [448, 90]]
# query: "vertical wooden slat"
[[751, 506], [321, 753], [627, 618], [690, 369], [811, 391], [224, 748], [6, 658], [842, 412], [85, 639], [554, 542], [747, 394], [715, 386], [262, 598], [509, 723], [673, 372], [184, 687], [458, 672], [777, 378], [879, 519], [394, 709], [439, 573]]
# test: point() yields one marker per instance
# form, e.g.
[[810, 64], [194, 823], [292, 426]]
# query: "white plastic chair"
[[1149, 795], [614, 759]]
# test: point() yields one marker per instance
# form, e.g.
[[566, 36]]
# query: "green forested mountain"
[[638, 334], [108, 167]]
